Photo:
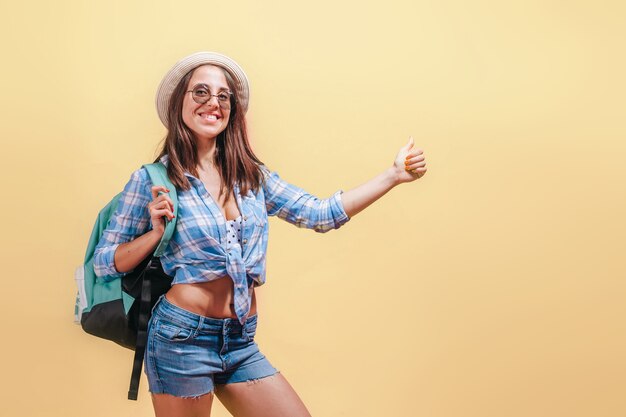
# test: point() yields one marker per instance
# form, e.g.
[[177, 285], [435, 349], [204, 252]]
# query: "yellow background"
[[492, 287]]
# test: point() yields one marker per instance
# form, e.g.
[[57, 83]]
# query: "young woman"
[[201, 333]]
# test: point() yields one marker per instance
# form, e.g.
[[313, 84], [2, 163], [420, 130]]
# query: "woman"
[[201, 333]]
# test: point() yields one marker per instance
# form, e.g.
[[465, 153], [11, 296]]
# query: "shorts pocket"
[[170, 332]]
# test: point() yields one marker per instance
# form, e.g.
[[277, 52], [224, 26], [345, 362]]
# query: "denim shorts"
[[187, 354]]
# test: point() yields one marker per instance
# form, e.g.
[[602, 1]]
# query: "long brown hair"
[[233, 159]]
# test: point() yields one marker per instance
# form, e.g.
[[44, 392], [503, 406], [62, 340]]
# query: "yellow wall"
[[489, 288]]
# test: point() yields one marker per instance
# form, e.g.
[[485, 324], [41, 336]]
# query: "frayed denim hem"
[[186, 397]]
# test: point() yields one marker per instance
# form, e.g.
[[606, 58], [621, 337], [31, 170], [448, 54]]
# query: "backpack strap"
[[142, 333], [158, 175], [142, 329]]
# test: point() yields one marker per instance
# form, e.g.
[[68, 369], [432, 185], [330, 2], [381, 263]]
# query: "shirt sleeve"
[[130, 220], [298, 207]]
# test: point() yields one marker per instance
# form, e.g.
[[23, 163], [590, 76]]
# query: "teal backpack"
[[118, 308]]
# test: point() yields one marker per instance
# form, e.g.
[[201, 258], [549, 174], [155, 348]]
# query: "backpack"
[[118, 308]]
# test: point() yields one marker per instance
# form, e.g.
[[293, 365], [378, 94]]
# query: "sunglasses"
[[201, 95]]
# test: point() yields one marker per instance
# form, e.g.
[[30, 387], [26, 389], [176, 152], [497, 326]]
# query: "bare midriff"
[[209, 299], [213, 298]]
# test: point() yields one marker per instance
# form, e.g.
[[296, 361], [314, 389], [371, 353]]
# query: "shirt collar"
[[165, 160]]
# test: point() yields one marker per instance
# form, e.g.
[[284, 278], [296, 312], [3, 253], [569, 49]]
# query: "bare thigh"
[[271, 396], [166, 405]]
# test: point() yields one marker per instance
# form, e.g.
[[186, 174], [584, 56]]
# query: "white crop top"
[[233, 227]]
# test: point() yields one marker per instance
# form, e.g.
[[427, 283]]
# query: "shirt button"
[[245, 241]]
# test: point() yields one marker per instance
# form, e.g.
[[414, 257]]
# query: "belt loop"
[[198, 327], [244, 332]]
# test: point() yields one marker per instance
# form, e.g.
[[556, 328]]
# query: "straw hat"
[[182, 67]]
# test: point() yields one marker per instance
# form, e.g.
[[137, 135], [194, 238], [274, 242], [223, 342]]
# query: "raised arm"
[[408, 166], [300, 208]]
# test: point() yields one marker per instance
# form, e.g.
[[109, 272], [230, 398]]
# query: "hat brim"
[[182, 67]]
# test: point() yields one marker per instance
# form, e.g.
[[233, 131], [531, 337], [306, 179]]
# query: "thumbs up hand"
[[410, 163]]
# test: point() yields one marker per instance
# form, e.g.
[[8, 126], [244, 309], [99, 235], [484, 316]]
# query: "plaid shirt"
[[198, 250]]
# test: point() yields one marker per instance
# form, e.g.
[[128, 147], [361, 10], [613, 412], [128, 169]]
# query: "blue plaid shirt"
[[198, 250]]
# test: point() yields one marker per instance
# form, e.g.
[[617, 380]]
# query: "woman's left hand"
[[410, 163]]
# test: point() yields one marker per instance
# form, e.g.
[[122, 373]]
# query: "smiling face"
[[206, 120]]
